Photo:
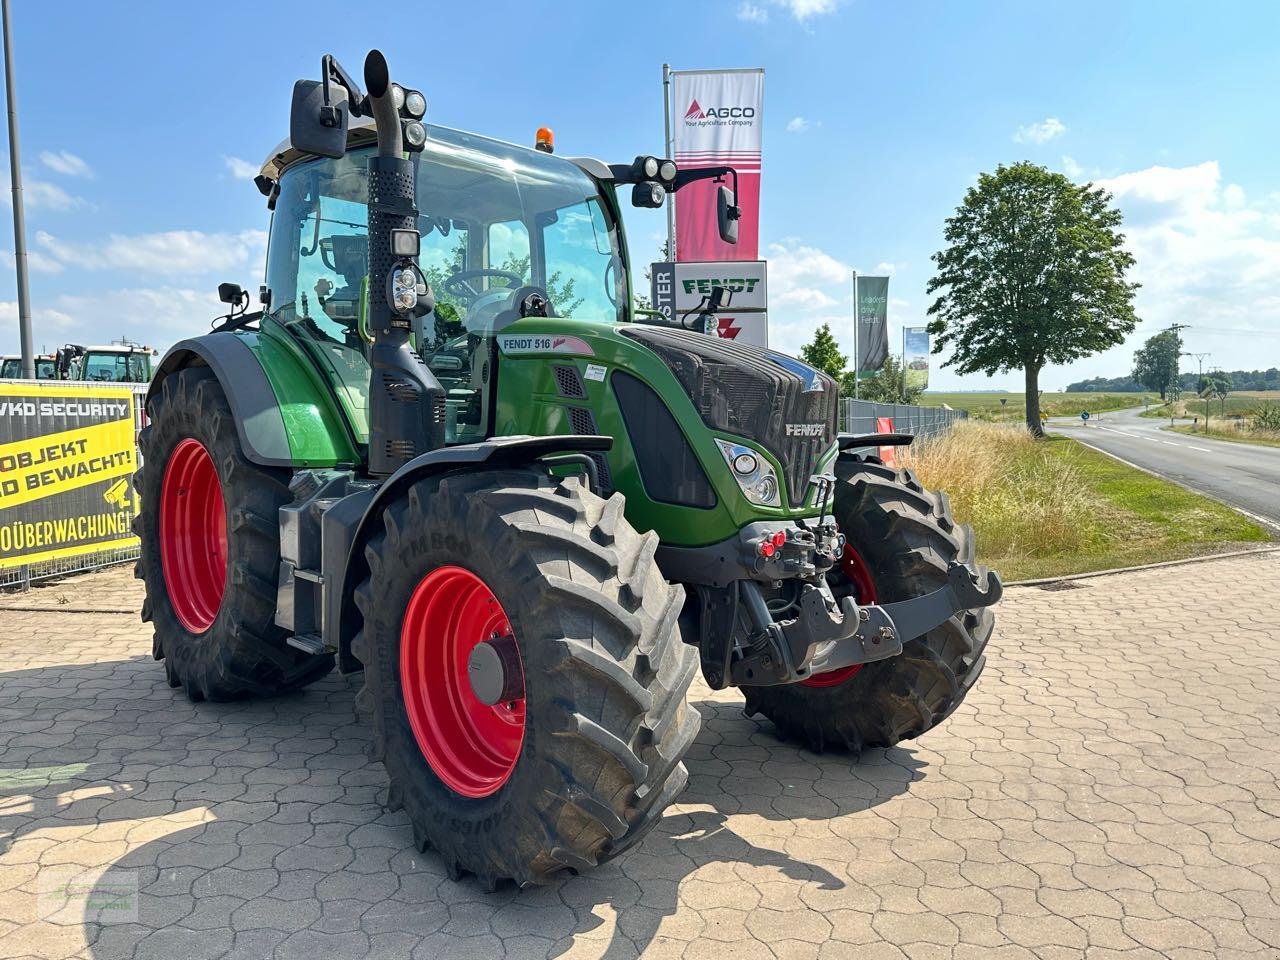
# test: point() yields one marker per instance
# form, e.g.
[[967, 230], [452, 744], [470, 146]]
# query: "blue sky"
[[140, 120]]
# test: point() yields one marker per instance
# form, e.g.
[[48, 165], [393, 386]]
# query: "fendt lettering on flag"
[[718, 117]]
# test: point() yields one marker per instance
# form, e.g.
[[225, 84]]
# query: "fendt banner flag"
[[66, 458], [915, 357], [871, 296], [717, 117]]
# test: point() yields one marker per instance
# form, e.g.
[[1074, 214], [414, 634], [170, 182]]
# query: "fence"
[[23, 575], [859, 416]]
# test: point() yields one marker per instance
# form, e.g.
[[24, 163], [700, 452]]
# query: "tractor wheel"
[[900, 539], [211, 549], [580, 751]]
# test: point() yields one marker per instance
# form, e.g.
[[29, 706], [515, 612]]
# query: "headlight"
[[650, 166], [667, 170], [754, 474], [415, 134], [415, 104]]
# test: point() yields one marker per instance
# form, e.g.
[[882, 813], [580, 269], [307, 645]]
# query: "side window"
[[332, 266], [509, 251], [579, 254]]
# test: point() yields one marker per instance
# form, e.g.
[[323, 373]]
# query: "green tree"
[[1155, 363], [886, 385], [1033, 273], [824, 353]]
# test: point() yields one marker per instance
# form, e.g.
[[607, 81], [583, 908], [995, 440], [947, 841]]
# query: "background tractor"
[[444, 454]]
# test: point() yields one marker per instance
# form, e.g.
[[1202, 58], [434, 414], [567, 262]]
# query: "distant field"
[[987, 406], [1237, 403]]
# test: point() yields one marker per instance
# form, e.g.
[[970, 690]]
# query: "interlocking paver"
[[1109, 789]]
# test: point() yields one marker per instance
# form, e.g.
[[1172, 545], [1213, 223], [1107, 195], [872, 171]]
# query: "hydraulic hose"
[[386, 116]]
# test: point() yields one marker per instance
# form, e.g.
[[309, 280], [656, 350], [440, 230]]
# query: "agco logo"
[[806, 429], [702, 116]]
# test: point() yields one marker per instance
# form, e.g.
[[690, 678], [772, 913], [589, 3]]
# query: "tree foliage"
[[1155, 363], [1034, 272], [824, 353], [886, 385]]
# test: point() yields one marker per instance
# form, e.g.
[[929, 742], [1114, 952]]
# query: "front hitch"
[[828, 634]]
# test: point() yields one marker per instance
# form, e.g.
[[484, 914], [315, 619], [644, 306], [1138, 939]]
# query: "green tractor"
[[444, 453]]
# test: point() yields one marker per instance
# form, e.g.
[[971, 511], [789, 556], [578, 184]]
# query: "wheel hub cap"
[[193, 535], [469, 727]]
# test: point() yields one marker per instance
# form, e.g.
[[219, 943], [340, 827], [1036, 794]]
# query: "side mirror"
[[727, 215], [650, 195], [722, 296], [230, 293], [314, 127]]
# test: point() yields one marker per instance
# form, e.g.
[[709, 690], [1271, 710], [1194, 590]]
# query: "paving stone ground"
[[1108, 790]]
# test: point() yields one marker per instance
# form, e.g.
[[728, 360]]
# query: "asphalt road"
[[1244, 475]]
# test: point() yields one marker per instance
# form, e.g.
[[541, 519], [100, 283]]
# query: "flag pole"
[[666, 124], [857, 322], [19, 216]]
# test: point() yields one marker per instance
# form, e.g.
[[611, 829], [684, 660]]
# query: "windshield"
[[494, 218], [12, 369], [116, 367]]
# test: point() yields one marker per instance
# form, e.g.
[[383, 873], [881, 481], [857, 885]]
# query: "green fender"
[[285, 414]]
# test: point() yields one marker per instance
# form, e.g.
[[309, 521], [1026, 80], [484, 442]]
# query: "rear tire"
[[213, 606], [605, 723], [906, 537]]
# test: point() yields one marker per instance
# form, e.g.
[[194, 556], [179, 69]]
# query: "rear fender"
[[282, 414]]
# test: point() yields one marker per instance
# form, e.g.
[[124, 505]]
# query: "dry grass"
[[1021, 499], [1043, 508]]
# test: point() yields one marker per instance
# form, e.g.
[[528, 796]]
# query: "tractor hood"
[[784, 405]]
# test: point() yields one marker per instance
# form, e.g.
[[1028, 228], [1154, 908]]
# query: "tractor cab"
[[11, 368], [505, 232]]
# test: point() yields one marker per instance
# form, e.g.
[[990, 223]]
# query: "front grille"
[[744, 391]]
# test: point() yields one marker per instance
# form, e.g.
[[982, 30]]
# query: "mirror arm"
[[685, 177], [331, 71]]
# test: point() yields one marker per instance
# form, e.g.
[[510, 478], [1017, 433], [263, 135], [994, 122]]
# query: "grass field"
[[987, 406], [1228, 431], [1053, 507], [1238, 403]]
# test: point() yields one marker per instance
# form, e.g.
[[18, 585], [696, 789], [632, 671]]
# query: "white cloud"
[[40, 195], [800, 10], [1047, 129], [1205, 256], [42, 319], [801, 125], [154, 315], [37, 262], [1072, 169], [66, 163], [804, 10], [170, 253], [241, 169]]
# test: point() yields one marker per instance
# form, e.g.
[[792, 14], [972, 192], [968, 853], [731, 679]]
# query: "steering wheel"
[[457, 285]]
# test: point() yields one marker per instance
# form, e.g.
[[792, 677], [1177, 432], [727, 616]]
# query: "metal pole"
[[19, 217], [857, 322], [903, 364], [670, 141]]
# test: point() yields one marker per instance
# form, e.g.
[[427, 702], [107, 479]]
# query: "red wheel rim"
[[864, 591], [193, 535], [471, 746]]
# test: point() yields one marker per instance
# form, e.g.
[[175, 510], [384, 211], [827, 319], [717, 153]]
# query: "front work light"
[[667, 170], [415, 104]]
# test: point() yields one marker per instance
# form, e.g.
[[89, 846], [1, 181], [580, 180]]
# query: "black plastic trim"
[[851, 441]]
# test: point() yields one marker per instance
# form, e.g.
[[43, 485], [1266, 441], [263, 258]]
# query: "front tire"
[[211, 549], [900, 540], [582, 764]]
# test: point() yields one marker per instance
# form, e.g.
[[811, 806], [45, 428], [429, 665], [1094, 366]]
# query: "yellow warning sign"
[[67, 456]]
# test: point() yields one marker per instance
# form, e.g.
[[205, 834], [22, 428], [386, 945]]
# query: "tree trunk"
[[1033, 401]]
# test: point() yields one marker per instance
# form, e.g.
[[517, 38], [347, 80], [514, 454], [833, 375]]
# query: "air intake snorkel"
[[406, 401]]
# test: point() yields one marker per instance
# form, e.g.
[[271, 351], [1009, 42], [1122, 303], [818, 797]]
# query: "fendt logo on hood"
[[698, 115], [806, 429]]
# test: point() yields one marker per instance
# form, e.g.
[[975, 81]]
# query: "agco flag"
[[66, 458], [717, 116]]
